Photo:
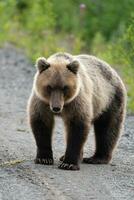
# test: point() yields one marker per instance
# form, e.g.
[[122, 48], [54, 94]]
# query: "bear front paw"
[[44, 161], [68, 166]]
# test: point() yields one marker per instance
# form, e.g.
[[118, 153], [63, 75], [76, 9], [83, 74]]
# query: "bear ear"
[[73, 66], [42, 64]]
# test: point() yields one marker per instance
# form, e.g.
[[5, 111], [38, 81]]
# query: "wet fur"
[[99, 100]]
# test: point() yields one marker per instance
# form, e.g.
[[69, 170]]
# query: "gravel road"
[[21, 179]]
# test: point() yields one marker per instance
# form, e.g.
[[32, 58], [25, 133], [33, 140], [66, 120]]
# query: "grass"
[[11, 163]]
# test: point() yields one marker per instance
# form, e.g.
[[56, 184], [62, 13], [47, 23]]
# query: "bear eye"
[[49, 89], [65, 89]]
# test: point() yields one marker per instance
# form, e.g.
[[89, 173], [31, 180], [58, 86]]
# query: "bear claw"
[[67, 166], [62, 158], [44, 161]]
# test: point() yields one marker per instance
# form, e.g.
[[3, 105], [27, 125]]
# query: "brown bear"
[[84, 91]]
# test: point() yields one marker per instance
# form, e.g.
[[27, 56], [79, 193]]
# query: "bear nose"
[[56, 109]]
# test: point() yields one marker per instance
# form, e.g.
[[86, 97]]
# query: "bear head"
[[57, 80]]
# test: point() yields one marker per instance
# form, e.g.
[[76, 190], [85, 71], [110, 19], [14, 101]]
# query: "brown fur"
[[84, 91]]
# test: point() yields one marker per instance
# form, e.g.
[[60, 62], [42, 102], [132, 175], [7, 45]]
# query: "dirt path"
[[21, 179]]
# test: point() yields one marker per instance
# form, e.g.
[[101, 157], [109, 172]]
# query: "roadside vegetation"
[[103, 28]]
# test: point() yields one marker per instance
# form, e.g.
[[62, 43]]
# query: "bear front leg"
[[42, 131], [77, 131]]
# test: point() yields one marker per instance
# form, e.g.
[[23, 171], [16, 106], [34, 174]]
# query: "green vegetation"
[[103, 28]]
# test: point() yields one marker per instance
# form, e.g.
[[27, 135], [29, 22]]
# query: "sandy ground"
[[21, 179]]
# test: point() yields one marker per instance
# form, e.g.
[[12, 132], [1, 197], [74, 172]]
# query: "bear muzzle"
[[56, 109], [56, 102]]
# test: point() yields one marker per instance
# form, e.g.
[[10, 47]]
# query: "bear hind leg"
[[107, 131]]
